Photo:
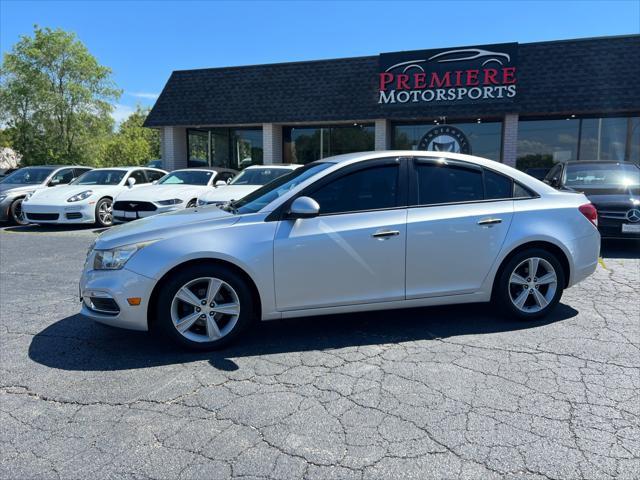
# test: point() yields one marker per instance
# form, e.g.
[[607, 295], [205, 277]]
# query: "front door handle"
[[489, 221], [385, 234]]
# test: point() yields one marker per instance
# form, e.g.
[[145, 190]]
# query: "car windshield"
[[269, 192], [28, 176], [259, 176], [602, 175], [186, 177], [100, 177]]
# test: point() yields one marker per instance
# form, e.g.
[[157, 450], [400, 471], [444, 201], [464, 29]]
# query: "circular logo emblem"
[[445, 138], [633, 215]]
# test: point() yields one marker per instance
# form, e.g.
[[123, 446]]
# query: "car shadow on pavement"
[[78, 344]]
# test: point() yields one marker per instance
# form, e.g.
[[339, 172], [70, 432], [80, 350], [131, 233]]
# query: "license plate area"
[[630, 228]]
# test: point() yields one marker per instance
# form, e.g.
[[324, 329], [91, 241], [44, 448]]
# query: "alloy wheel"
[[532, 285], [105, 212], [18, 213], [205, 309]]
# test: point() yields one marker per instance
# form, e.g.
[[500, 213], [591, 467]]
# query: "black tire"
[[504, 290], [17, 216], [103, 221], [164, 325], [192, 203]]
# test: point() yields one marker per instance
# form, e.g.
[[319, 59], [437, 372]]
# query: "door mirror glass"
[[131, 182], [54, 182], [304, 207], [220, 183]]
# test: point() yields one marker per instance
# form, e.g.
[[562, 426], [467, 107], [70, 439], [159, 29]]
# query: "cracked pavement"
[[447, 392]]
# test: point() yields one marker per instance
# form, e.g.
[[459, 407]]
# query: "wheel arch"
[[544, 245], [255, 294]]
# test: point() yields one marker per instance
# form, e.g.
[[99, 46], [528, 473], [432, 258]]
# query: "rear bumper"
[[585, 252], [71, 214]]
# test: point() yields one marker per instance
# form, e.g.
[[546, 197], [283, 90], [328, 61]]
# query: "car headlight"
[[173, 201], [80, 196], [2, 197], [27, 197], [116, 258], [201, 203]]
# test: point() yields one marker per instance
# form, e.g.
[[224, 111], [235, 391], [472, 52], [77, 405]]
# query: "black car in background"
[[613, 187]]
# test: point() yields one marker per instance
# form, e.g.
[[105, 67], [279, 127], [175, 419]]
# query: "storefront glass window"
[[197, 144], [307, 144], [224, 147], [541, 143], [485, 138]]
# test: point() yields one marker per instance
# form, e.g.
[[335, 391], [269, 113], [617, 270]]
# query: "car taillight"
[[589, 211]]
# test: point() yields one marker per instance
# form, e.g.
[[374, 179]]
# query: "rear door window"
[[447, 182]]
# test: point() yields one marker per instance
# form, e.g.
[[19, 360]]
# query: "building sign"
[[445, 138], [449, 76]]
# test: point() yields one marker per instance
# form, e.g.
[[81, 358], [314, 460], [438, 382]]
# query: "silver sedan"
[[356, 232]]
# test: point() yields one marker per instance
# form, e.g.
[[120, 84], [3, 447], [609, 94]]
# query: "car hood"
[[60, 194], [153, 193], [228, 192], [601, 197], [165, 225], [13, 188]]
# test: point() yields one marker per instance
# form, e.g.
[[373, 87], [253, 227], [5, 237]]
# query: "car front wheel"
[[530, 284], [104, 212], [17, 215], [204, 307]]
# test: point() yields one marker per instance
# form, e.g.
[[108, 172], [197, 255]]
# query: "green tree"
[[55, 98], [133, 144]]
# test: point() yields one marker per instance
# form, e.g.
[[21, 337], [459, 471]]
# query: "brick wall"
[[510, 139]]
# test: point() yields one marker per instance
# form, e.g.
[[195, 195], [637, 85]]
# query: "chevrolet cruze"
[[356, 232]]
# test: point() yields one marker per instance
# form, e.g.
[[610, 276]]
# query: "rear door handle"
[[489, 221], [385, 233]]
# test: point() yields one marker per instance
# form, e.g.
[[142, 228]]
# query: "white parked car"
[[176, 190], [249, 180], [89, 198], [364, 231]]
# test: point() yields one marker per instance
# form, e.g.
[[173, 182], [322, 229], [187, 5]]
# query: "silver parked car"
[[350, 233]]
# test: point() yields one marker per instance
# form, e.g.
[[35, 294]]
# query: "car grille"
[[134, 206], [618, 213], [73, 215], [104, 305], [43, 216], [123, 219]]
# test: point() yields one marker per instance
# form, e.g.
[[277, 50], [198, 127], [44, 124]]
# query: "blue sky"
[[143, 41]]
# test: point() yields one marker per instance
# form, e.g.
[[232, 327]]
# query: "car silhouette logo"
[[633, 215], [133, 205]]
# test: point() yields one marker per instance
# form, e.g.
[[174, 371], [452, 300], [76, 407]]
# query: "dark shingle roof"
[[600, 75]]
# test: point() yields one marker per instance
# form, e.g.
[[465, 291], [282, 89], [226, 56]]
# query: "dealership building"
[[527, 105]]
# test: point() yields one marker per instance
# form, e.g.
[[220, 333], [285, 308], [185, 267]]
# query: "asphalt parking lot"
[[427, 393]]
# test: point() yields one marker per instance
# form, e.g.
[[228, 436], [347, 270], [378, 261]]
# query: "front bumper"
[[80, 212], [121, 216], [117, 285]]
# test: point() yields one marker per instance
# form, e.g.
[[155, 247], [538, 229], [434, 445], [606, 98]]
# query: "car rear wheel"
[[17, 215], [104, 212], [192, 203], [530, 284], [204, 307]]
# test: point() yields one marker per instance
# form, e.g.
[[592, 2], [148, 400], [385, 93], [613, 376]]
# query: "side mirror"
[[220, 183], [131, 182], [155, 182], [54, 182], [304, 207]]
